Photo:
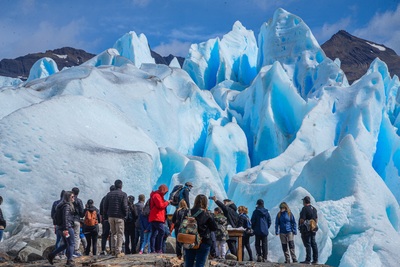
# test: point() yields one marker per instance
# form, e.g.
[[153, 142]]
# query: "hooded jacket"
[[158, 204], [260, 221], [285, 224], [230, 213]]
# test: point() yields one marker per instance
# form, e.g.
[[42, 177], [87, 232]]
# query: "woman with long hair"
[[205, 224], [65, 222], [91, 227], [177, 219], [246, 224], [286, 227]]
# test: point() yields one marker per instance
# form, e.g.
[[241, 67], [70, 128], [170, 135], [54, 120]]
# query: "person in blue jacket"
[[260, 222], [286, 228]]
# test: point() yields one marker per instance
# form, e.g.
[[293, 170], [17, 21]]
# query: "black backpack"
[[58, 217], [175, 195]]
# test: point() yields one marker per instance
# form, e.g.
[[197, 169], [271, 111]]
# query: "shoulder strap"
[[197, 213]]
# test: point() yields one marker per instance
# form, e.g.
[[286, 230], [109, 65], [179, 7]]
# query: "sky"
[[30, 26]]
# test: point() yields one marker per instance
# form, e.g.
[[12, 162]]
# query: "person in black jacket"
[[184, 193], [205, 224], [130, 225], [78, 215], [3, 222], [177, 219], [308, 212], [53, 215], [230, 212], [260, 222], [139, 232], [91, 232], [116, 209], [65, 223], [246, 224], [105, 225]]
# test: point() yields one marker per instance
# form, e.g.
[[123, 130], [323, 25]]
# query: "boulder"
[[28, 254]]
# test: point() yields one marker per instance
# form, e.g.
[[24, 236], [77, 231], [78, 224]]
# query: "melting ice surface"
[[271, 118]]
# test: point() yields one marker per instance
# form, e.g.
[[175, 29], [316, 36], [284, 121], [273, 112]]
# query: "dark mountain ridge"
[[356, 54], [64, 57]]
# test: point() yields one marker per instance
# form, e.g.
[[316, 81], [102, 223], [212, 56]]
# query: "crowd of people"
[[129, 225]]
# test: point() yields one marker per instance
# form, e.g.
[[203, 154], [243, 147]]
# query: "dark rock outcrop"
[[356, 54], [64, 57]]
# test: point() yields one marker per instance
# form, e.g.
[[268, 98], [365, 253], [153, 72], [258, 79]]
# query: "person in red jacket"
[[157, 217]]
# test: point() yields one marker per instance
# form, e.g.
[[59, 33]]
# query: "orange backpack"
[[90, 218]]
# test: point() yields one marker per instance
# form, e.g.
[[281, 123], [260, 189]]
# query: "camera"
[[210, 197]]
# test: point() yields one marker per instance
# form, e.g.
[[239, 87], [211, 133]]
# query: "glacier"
[[244, 118]]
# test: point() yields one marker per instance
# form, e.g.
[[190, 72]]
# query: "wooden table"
[[239, 234]]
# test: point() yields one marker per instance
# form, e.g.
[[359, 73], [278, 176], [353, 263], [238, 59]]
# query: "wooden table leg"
[[239, 249]]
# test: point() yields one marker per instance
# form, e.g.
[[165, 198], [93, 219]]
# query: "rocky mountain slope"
[[356, 54], [64, 57]]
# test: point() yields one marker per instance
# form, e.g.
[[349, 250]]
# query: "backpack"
[[90, 218], [146, 208], [221, 234], [175, 195], [310, 226], [188, 233], [58, 217]]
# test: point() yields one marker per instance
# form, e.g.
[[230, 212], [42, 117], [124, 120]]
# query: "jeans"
[[138, 236], [178, 245], [246, 244], [309, 243], [104, 235], [117, 226], [157, 236], [1, 234], [68, 244], [91, 238], [146, 241], [130, 238], [200, 255], [262, 246], [232, 246]]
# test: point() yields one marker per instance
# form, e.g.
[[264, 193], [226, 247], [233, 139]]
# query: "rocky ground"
[[167, 260]]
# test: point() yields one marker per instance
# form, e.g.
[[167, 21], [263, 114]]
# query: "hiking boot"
[[70, 263], [119, 255], [50, 258], [103, 253], [294, 261], [259, 259], [314, 262], [305, 262]]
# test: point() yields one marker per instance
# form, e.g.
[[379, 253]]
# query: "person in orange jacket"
[[157, 217]]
